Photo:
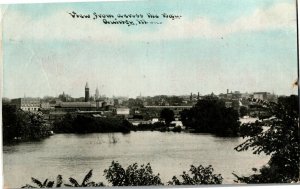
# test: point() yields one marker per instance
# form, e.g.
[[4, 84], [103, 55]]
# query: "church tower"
[[87, 92]]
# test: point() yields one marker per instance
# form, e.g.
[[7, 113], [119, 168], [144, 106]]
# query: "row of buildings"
[[145, 108]]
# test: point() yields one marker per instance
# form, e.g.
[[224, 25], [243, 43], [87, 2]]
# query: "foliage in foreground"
[[199, 175], [85, 182], [134, 175], [45, 184], [277, 136], [59, 182]]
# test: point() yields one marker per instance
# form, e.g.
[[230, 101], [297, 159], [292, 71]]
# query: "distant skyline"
[[194, 93], [247, 46]]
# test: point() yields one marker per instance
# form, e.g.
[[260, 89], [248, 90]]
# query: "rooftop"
[[76, 104]]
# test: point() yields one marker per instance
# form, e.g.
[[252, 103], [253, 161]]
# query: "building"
[[232, 103], [272, 97], [247, 95], [122, 111], [75, 106], [109, 101], [154, 111], [231, 95], [87, 92], [260, 95], [45, 105], [27, 104], [97, 96]]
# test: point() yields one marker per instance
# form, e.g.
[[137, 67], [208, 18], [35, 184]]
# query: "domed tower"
[[87, 92]]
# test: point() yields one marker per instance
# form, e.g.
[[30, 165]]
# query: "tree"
[[59, 182], [36, 125], [199, 175], [184, 115], [277, 136], [210, 115], [45, 184], [85, 182], [10, 127], [21, 125], [132, 176], [243, 111], [167, 115]]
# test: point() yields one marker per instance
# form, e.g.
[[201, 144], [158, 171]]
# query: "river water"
[[169, 154]]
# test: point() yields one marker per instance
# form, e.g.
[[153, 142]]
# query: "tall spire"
[[86, 85]]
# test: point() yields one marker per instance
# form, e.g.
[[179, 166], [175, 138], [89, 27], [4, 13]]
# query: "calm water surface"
[[169, 154]]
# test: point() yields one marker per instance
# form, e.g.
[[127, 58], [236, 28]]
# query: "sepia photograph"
[[150, 93]]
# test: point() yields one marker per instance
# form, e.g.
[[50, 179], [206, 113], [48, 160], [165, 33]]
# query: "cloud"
[[281, 15], [61, 26], [58, 26], [278, 16]]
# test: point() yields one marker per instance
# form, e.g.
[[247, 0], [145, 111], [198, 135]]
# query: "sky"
[[245, 46]]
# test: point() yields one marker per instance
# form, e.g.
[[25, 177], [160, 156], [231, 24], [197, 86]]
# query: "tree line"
[[87, 124]]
